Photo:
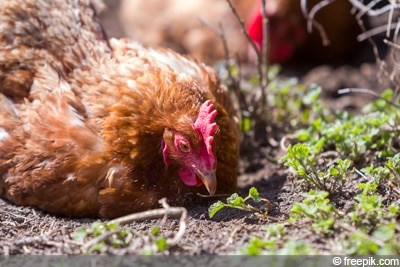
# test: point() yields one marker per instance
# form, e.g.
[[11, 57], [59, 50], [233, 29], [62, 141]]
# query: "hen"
[[91, 127], [288, 36]]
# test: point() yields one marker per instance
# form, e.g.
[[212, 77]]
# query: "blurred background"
[[334, 57]]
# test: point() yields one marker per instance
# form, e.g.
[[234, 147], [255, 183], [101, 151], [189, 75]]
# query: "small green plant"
[[303, 159], [353, 136], [276, 242], [294, 105], [101, 236], [270, 243], [237, 202], [160, 243], [115, 236], [317, 208], [384, 240], [368, 212]]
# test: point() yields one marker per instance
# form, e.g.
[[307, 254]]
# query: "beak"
[[209, 180]]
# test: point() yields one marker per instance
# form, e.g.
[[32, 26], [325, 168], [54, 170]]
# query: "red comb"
[[205, 124]]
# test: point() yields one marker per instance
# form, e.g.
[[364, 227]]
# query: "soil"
[[26, 230]]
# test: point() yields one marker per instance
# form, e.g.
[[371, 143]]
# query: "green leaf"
[[214, 208], [235, 200], [161, 244], [312, 95], [99, 247], [245, 124], [253, 193], [385, 232], [301, 150], [154, 230], [80, 234], [255, 245], [112, 226], [333, 171]]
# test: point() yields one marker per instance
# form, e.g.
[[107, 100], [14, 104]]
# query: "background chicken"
[[288, 36], [188, 26], [93, 127]]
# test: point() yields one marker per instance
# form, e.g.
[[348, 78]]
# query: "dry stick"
[[390, 18], [311, 19], [367, 9], [213, 196], [156, 213], [394, 43], [375, 31], [235, 82], [371, 41], [368, 34], [243, 28], [394, 75], [366, 91], [261, 56], [394, 188], [264, 58]]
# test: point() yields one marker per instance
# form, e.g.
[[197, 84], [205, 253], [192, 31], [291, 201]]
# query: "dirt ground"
[[26, 230]]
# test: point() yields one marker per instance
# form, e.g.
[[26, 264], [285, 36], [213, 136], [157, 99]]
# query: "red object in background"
[[284, 36], [289, 40]]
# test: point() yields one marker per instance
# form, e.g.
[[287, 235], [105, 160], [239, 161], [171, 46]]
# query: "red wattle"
[[189, 178]]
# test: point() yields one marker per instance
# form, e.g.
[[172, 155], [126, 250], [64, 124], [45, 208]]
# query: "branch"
[[367, 9], [156, 213], [243, 28], [258, 112], [375, 31], [366, 91], [310, 16]]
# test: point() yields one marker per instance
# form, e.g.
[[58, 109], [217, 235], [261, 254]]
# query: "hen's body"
[[82, 120]]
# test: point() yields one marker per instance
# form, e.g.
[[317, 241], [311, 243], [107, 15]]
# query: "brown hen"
[[91, 127]]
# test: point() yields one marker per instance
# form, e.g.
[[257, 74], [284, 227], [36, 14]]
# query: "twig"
[[213, 196], [367, 9], [366, 91], [230, 239], [375, 31], [394, 188], [156, 213], [385, 71], [243, 28], [390, 18], [284, 139], [262, 63], [363, 28], [311, 19], [235, 83]]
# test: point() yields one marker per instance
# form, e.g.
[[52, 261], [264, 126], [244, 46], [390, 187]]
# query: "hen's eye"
[[184, 147]]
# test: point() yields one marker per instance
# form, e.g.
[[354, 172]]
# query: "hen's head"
[[193, 149]]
